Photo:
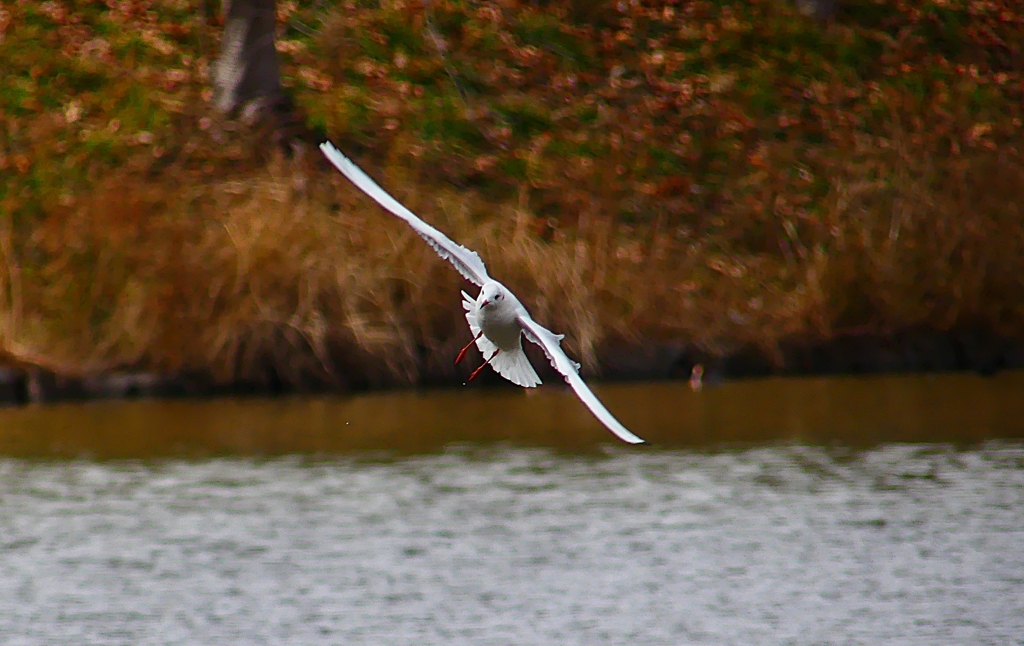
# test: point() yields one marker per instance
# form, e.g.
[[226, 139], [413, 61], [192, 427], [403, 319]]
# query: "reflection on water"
[[957, 408], [897, 544], [905, 540]]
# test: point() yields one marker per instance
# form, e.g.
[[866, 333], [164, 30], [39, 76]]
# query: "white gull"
[[496, 317]]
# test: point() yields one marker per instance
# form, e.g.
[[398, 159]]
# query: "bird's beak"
[[485, 303]]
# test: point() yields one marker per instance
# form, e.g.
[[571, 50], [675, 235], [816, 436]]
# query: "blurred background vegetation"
[[724, 176]]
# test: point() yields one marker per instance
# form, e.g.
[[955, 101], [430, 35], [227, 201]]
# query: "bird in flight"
[[496, 318]]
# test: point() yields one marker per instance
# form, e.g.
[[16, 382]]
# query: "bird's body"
[[495, 313], [496, 318]]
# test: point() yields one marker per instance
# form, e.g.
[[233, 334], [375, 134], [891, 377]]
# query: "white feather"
[[511, 363], [515, 366], [551, 343], [467, 262]]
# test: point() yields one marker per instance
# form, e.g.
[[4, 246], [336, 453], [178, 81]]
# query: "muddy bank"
[[911, 351]]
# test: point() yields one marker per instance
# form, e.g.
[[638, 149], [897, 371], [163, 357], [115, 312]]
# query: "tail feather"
[[515, 366]]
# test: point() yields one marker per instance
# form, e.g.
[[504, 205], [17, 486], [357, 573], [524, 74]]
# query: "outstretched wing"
[[551, 343], [467, 262]]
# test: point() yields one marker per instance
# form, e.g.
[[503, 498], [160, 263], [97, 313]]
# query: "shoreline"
[[907, 353]]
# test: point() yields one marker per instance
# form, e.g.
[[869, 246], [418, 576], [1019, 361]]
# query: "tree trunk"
[[817, 9], [247, 69]]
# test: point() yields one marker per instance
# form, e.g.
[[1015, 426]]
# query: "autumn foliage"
[[724, 175]]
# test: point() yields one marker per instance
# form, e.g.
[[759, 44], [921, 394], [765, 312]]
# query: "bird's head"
[[491, 295]]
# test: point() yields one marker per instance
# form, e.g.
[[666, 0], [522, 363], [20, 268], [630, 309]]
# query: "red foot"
[[477, 371], [462, 353]]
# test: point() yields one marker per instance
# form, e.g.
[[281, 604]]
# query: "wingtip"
[[335, 156], [627, 436]]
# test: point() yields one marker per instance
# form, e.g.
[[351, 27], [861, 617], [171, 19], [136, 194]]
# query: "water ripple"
[[903, 544]]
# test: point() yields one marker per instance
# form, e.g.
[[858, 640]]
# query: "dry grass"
[[724, 177], [289, 273], [270, 273]]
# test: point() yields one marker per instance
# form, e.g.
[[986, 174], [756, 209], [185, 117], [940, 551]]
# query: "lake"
[[272, 522]]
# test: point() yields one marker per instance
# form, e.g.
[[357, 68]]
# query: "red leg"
[[477, 371], [469, 345]]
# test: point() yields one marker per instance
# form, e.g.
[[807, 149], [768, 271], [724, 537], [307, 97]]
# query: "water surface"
[[842, 511], [901, 544], [854, 411]]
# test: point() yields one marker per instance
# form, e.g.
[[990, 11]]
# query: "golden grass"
[[764, 184], [289, 271], [241, 276]]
